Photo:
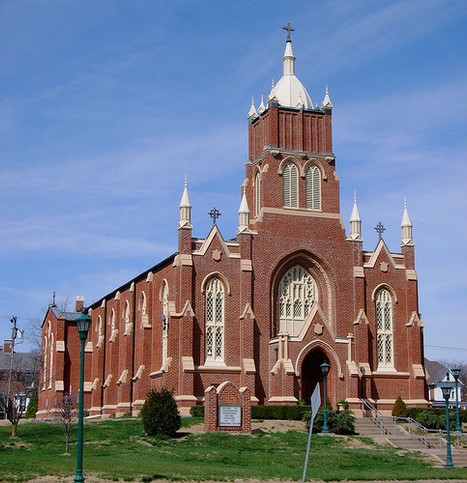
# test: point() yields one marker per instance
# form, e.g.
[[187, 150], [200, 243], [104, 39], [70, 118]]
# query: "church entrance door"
[[311, 374]]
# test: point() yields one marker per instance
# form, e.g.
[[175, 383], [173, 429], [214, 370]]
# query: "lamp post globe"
[[456, 372], [446, 388], [324, 371], [83, 323]]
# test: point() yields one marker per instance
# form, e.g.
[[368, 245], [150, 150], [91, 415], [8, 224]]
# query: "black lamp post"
[[446, 388], [455, 372], [83, 322], [324, 371]]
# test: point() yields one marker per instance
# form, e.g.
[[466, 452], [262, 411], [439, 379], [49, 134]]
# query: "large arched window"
[[313, 188], [290, 179], [165, 321], [257, 194], [384, 329], [214, 320], [297, 294]]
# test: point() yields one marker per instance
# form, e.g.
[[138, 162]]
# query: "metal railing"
[[414, 428]]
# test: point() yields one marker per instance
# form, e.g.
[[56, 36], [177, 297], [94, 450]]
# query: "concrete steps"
[[400, 438]]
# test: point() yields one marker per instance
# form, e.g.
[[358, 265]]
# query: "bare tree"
[[16, 389], [65, 412]]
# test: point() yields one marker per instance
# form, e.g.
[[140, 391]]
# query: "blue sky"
[[106, 105]]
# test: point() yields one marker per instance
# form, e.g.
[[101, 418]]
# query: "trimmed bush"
[[159, 413], [293, 413], [400, 409]]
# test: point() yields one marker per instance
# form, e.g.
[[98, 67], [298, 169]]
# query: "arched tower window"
[[165, 321], [257, 194], [313, 188], [384, 329], [214, 320], [297, 294], [290, 180]]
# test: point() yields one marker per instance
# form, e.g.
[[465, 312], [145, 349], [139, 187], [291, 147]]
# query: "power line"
[[448, 348]]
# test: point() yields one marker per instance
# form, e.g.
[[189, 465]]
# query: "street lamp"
[[447, 388], [83, 323], [324, 371], [455, 372]]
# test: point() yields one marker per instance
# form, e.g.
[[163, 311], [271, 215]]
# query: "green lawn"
[[120, 449]]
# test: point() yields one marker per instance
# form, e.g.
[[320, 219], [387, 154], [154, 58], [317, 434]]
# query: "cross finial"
[[53, 298], [289, 29], [214, 214], [380, 229]]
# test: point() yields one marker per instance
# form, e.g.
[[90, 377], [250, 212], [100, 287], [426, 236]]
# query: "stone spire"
[[406, 227], [243, 216], [185, 209], [355, 222], [252, 113], [327, 104]]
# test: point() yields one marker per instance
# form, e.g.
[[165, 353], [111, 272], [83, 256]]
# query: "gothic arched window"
[[384, 329], [214, 320], [313, 188], [290, 180], [257, 194], [297, 294]]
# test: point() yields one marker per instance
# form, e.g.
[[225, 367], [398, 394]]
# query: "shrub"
[[339, 422], [32, 406], [159, 413], [400, 409], [294, 413]]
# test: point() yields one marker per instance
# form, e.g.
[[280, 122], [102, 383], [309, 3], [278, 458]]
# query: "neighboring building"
[[436, 373], [265, 309], [18, 372]]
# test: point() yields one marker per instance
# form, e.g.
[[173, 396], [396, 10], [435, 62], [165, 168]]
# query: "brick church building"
[[263, 310]]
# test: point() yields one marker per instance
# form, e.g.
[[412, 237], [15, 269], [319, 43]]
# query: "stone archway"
[[310, 373]]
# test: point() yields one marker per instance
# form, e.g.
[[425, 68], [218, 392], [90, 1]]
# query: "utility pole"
[[13, 337]]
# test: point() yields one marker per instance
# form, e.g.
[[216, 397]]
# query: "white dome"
[[289, 91]]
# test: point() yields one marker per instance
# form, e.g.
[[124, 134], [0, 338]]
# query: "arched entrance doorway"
[[311, 373]]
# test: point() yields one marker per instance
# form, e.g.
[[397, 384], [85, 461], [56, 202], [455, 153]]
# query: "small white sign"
[[230, 414]]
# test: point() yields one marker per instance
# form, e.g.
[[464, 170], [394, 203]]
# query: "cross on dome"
[[289, 29]]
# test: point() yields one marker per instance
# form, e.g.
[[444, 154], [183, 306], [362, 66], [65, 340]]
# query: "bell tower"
[[291, 164]]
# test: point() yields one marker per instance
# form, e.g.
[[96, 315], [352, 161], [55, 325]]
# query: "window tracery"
[[214, 320], [297, 294]]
